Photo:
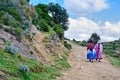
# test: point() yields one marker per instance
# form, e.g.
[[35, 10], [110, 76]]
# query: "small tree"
[[59, 15], [94, 37]]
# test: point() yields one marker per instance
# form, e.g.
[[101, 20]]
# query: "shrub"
[[2, 13], [68, 46], [23, 2], [18, 31], [31, 52], [12, 11], [44, 26], [59, 30], [24, 68], [11, 49], [13, 23], [1, 16], [5, 20], [1, 26], [19, 56], [35, 21], [4, 39]]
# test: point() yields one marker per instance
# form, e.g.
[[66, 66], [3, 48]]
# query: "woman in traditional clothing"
[[91, 53], [99, 51]]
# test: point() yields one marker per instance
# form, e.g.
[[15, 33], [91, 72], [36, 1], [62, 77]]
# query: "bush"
[[2, 13], [35, 21], [24, 68], [11, 49], [18, 31], [13, 23], [68, 46], [4, 39], [1, 26], [5, 20], [83, 44], [12, 11], [59, 30], [44, 26]]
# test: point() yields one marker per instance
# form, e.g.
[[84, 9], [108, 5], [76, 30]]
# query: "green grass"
[[9, 63], [62, 63], [109, 48], [115, 61]]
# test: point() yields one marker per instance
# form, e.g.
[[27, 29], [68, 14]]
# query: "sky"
[[90, 16]]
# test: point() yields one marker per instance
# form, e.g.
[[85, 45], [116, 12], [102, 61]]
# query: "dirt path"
[[84, 70]]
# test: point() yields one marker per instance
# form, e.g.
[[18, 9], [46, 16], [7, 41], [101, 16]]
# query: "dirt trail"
[[84, 70]]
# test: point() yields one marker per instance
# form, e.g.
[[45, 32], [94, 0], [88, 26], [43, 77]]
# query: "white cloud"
[[84, 7], [82, 28], [54, 1]]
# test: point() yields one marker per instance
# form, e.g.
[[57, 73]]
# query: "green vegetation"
[[16, 16], [10, 64], [112, 49], [115, 61], [68, 46], [59, 15], [94, 37], [23, 68], [62, 63], [51, 16]]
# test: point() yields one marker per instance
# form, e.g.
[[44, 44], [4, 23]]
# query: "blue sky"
[[111, 14], [88, 16]]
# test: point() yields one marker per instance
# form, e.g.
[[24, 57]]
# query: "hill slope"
[[26, 51]]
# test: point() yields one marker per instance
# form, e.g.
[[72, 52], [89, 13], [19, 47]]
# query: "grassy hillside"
[[112, 49], [19, 67], [31, 44]]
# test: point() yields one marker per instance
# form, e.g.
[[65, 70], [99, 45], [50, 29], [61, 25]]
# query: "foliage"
[[18, 31], [111, 49], [62, 63], [59, 30], [44, 26], [49, 72], [84, 43], [11, 49], [115, 61], [59, 15], [23, 2], [94, 37], [24, 68], [68, 46], [51, 16], [43, 17], [12, 11], [42, 11], [13, 23], [4, 39], [2, 13], [5, 20], [11, 63]]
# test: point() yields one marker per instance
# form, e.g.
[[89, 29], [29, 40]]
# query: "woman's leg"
[[92, 60]]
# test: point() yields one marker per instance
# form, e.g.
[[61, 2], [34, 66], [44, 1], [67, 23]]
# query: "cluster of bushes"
[[9, 16]]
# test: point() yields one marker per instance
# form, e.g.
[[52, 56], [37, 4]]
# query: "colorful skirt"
[[99, 55], [91, 55]]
